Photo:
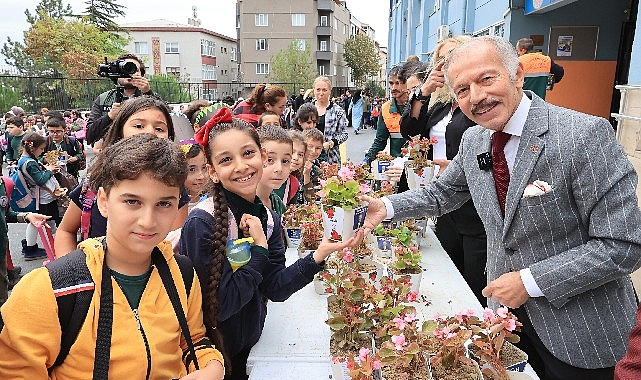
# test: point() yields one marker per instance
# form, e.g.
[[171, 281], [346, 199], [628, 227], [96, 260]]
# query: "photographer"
[[107, 105]]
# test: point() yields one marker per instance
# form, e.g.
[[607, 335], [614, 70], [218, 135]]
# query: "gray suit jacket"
[[581, 240]]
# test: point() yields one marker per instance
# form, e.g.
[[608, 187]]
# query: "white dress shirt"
[[515, 128]]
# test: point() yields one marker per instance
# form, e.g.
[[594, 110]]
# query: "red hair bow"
[[202, 136]]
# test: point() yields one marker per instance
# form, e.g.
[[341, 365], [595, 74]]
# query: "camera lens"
[[129, 68]]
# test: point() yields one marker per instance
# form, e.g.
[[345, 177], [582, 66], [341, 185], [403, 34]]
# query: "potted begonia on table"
[[294, 218], [406, 262], [343, 212], [419, 168], [380, 165]]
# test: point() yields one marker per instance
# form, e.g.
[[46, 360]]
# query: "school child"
[[138, 115], [41, 177], [306, 117], [292, 190], [278, 147], [234, 301], [197, 171], [314, 139], [269, 118], [14, 134], [131, 329]]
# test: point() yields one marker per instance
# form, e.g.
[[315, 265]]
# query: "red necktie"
[[499, 167]]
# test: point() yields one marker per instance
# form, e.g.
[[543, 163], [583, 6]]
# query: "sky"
[[218, 15]]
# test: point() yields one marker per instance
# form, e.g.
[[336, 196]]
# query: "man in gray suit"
[[559, 252]]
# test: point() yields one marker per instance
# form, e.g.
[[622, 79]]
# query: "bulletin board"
[[573, 43]]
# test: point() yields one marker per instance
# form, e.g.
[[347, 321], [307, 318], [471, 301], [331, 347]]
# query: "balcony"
[[325, 5], [323, 30], [323, 55]]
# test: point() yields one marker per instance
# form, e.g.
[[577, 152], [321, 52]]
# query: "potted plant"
[[383, 237], [365, 366], [450, 361], [492, 344], [420, 169], [380, 165], [342, 209], [407, 263], [311, 236], [293, 219]]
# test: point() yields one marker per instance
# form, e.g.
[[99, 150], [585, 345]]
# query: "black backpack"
[[73, 286]]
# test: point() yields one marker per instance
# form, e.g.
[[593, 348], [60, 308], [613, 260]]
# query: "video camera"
[[117, 69]]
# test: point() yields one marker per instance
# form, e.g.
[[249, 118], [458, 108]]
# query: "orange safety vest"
[[392, 120], [536, 63]]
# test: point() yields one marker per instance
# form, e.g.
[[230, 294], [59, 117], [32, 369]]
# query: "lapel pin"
[[534, 148]]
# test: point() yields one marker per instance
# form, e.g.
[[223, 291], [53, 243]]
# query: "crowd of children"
[[143, 193]]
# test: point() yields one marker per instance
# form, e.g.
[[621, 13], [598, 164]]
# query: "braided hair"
[[214, 268]]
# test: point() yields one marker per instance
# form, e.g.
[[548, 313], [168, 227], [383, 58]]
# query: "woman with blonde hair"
[[331, 121], [433, 112]]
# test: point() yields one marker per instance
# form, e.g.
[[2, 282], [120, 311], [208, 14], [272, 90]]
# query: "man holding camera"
[[107, 105]]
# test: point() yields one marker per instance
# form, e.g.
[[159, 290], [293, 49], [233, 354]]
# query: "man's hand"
[[394, 173], [141, 82], [113, 112], [376, 213], [507, 290], [36, 219], [442, 164], [327, 246]]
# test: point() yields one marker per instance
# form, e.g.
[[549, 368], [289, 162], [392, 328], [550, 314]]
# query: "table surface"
[[295, 340]]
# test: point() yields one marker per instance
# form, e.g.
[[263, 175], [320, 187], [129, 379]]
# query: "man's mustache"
[[484, 105]]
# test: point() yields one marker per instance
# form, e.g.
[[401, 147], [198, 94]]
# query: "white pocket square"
[[536, 189]]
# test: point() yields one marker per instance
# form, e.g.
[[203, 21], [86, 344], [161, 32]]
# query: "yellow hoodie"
[[30, 340]]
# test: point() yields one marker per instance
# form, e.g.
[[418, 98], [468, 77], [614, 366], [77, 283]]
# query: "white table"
[[295, 341]]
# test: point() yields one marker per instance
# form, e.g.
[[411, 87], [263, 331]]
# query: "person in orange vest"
[[537, 67], [388, 126]]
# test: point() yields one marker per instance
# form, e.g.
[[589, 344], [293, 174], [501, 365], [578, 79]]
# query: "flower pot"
[[512, 375], [293, 237], [419, 177], [319, 284], [377, 271], [513, 358], [467, 371], [415, 278], [305, 252], [379, 168], [340, 224]]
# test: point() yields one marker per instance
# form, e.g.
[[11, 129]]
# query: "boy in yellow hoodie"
[[138, 186]]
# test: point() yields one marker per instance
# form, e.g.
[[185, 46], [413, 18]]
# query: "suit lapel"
[[528, 153], [485, 180]]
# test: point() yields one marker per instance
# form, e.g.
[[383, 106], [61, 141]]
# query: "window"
[[209, 72], [262, 68], [300, 45], [323, 46], [175, 71], [298, 19], [437, 5], [262, 19], [141, 48], [499, 29], [171, 47], [321, 70], [208, 48], [261, 44], [233, 54], [323, 21]]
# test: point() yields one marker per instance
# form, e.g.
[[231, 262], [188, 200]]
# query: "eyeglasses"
[[53, 132]]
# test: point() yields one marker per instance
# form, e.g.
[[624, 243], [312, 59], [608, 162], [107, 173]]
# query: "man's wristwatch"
[[418, 95]]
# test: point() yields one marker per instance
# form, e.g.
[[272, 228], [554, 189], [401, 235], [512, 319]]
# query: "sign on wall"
[[542, 6], [573, 43]]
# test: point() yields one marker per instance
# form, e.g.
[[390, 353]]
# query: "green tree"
[[374, 89], [102, 12], [14, 50], [169, 88], [293, 66], [361, 57]]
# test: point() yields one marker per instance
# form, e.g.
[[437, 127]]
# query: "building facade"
[[267, 27], [600, 33], [192, 54]]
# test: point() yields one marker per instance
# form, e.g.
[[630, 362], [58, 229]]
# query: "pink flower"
[[336, 359], [400, 323], [502, 312], [321, 194], [345, 173], [410, 317], [433, 140], [376, 364], [510, 324], [323, 182], [399, 341], [348, 256], [411, 296], [468, 312], [364, 188], [351, 365], [488, 314], [363, 353]]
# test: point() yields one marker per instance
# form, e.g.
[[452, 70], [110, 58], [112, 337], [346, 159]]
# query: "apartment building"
[[267, 27], [204, 58]]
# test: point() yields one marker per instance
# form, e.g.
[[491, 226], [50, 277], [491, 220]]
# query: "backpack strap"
[[102, 352], [73, 288], [168, 282], [8, 189]]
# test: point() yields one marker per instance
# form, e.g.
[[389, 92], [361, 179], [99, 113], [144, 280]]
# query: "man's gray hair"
[[505, 51]]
